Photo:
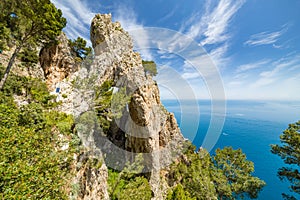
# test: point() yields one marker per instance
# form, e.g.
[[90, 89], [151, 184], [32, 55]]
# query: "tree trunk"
[[9, 66]]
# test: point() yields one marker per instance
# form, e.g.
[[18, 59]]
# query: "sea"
[[250, 125]]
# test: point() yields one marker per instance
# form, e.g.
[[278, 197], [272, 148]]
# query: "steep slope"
[[148, 127], [144, 125]]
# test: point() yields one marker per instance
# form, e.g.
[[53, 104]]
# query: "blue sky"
[[253, 45]]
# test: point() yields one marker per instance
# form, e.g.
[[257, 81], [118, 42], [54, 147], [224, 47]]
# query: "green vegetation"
[[103, 99], [226, 175], [29, 56], [233, 175], [26, 25], [194, 174], [129, 183], [179, 193], [109, 105], [32, 163], [119, 101], [79, 49], [289, 151], [150, 67]]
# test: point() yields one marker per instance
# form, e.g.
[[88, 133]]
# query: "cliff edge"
[[142, 126]]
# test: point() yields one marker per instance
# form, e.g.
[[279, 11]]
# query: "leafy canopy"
[[233, 175], [32, 164], [31, 21], [150, 67], [129, 183], [226, 175], [289, 151], [194, 174], [79, 49], [28, 24]]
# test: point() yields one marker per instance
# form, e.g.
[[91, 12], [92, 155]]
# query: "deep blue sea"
[[249, 125]]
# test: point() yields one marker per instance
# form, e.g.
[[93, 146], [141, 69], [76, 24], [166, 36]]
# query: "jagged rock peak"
[[146, 126], [105, 34], [114, 55]]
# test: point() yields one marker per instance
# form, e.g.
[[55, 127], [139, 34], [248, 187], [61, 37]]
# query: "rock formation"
[[145, 125], [57, 62], [91, 178], [148, 127]]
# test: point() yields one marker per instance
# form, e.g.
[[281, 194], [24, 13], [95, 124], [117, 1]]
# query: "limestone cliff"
[[57, 62], [145, 126], [148, 127]]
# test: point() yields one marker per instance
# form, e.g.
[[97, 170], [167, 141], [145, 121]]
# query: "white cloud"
[[211, 26], [250, 66], [265, 38], [128, 19], [271, 80], [78, 16], [218, 55], [190, 75], [169, 14], [218, 21], [279, 75], [278, 72]]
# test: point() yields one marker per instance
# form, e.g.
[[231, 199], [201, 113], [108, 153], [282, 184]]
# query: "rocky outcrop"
[[148, 127], [90, 182], [145, 126], [57, 62]]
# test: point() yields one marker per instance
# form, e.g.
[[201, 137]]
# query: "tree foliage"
[[289, 151], [150, 67], [233, 175], [79, 48], [32, 164], [129, 183], [28, 56], [29, 23], [179, 193], [108, 104], [226, 175], [102, 106], [194, 174]]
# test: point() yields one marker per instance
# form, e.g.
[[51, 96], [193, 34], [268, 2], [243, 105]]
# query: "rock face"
[[148, 127], [145, 126], [57, 62], [91, 178]]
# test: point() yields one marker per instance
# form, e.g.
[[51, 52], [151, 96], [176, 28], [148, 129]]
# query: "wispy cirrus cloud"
[[266, 37], [217, 21], [129, 21], [280, 71], [250, 66], [212, 26], [266, 79], [78, 15]]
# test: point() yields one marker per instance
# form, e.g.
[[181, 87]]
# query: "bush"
[[32, 163], [150, 67], [129, 183]]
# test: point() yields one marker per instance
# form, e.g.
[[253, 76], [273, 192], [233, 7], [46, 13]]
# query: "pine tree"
[[28, 23], [289, 151], [79, 48], [233, 175]]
